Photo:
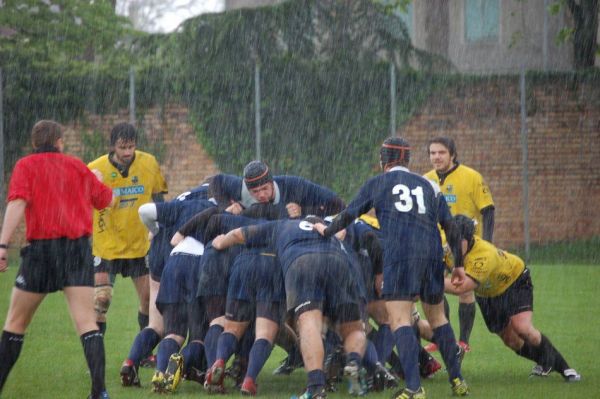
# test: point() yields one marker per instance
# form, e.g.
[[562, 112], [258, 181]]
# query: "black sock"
[[550, 356], [143, 320], [530, 352], [93, 348], [10, 347], [101, 326], [466, 318]]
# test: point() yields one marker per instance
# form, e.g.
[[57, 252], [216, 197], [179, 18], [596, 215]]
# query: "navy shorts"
[[179, 282], [214, 271], [134, 268], [322, 281], [184, 320], [50, 265], [409, 278], [498, 310]]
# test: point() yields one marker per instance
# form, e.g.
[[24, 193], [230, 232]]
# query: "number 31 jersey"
[[409, 208]]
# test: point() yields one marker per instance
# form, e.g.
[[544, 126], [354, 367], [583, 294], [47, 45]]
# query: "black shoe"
[[129, 374], [286, 367], [383, 379]]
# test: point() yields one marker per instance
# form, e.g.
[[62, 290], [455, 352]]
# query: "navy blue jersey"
[[290, 239], [312, 198], [170, 217], [197, 193], [409, 208]]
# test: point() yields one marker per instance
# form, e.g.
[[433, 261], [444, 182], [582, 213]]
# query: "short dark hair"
[[45, 133], [447, 142], [124, 131], [257, 173], [394, 151]]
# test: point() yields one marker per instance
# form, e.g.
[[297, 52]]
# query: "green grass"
[[566, 310]]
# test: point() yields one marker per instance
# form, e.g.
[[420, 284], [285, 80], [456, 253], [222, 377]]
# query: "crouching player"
[[317, 284], [504, 292]]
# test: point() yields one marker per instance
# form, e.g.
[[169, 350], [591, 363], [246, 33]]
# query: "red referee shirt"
[[60, 192]]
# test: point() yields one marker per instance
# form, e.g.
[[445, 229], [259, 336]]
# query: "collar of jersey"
[[402, 168]]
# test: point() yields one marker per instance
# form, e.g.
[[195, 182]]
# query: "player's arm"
[[468, 285], [361, 204], [15, 210], [158, 197], [198, 222], [488, 218], [234, 237], [314, 199]]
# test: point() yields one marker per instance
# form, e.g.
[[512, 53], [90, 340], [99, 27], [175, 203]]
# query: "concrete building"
[[491, 36]]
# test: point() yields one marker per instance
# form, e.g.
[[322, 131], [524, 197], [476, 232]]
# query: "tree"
[[584, 32]]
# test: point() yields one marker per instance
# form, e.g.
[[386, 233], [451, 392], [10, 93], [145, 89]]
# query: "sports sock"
[[370, 358], [424, 356], [143, 320], [10, 348], [226, 345], [258, 356], [443, 336], [166, 348], [408, 352], [101, 326], [192, 355], [143, 344], [93, 348], [316, 380], [210, 343], [466, 318], [550, 356], [384, 342]]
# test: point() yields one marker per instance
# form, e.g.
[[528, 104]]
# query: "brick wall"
[[184, 163], [563, 140], [563, 128]]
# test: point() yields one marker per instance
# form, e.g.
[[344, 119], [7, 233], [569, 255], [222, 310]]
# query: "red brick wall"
[[184, 163], [563, 128]]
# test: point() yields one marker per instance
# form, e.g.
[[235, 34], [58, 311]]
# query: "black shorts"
[[50, 265], [243, 311], [498, 310], [134, 268]]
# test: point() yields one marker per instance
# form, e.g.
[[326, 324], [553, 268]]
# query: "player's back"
[[408, 208]]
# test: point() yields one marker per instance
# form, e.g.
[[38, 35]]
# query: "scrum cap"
[[394, 151], [257, 173]]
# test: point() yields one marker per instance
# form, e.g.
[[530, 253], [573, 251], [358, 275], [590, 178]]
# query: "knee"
[[102, 299]]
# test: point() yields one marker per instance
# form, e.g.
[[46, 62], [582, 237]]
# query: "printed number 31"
[[406, 200]]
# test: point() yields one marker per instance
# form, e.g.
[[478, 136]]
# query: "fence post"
[[2, 152], [257, 106], [131, 96], [524, 164], [392, 99]]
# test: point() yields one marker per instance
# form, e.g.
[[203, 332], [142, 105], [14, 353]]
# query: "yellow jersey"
[[466, 193], [118, 231], [494, 269]]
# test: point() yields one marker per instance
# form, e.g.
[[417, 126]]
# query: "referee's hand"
[[3, 259]]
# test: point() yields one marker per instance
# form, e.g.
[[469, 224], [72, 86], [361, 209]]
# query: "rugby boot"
[[173, 372], [248, 387], [129, 374]]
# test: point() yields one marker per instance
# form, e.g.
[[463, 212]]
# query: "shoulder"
[[464, 170], [431, 175], [98, 162], [145, 157]]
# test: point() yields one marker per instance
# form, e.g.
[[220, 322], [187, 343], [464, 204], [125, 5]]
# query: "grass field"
[[566, 310]]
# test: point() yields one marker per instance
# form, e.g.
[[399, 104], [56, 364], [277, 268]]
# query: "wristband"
[[5, 246]]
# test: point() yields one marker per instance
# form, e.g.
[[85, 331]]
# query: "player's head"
[[46, 134], [259, 181], [395, 151], [466, 228], [442, 153], [123, 139]]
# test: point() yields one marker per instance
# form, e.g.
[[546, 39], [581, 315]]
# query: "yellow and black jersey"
[[494, 269], [466, 193], [118, 231]]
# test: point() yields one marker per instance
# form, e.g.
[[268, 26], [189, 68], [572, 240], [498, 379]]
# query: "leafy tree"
[[584, 32]]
